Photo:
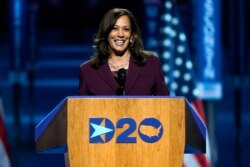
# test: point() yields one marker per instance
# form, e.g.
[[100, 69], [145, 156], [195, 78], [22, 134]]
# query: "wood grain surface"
[[166, 152]]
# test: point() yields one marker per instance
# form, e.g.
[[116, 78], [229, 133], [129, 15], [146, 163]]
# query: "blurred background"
[[203, 45]]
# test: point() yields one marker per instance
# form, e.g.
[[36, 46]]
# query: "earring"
[[130, 40]]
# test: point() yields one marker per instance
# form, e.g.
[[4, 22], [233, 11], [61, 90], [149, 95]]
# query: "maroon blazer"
[[141, 80]]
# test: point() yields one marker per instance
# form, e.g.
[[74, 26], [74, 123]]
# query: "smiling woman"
[[119, 48], [120, 36]]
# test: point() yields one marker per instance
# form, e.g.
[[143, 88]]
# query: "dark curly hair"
[[101, 38]]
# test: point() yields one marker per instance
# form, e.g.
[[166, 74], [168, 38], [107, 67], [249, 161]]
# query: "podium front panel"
[[134, 132]]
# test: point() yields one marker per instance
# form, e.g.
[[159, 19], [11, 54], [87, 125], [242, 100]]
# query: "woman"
[[120, 66]]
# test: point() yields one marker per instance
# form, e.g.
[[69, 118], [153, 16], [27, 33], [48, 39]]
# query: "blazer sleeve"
[[160, 85]]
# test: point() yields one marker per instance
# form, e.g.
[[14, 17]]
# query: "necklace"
[[122, 65]]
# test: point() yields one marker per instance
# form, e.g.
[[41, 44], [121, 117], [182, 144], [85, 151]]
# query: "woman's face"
[[120, 35]]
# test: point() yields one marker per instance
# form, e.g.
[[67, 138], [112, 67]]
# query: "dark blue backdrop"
[[42, 44]]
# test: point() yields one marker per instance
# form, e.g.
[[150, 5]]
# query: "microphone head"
[[121, 74]]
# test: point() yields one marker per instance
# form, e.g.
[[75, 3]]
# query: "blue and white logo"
[[101, 130], [150, 130]]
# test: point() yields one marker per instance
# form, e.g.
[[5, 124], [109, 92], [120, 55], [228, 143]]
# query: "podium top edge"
[[127, 97]]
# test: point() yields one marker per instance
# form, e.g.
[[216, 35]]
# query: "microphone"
[[122, 76], [121, 80]]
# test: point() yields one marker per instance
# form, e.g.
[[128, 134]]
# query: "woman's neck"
[[116, 62]]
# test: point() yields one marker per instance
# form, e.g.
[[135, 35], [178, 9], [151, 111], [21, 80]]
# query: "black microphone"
[[121, 80], [122, 76]]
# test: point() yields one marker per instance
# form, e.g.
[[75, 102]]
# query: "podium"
[[122, 131]]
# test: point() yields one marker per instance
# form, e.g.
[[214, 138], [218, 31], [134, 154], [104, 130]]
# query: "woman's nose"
[[120, 33]]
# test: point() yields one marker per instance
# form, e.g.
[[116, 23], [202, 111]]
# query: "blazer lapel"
[[107, 76], [132, 76]]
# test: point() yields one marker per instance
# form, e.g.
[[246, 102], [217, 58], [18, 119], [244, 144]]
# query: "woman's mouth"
[[119, 42]]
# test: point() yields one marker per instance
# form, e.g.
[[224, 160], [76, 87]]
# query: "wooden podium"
[[122, 131]]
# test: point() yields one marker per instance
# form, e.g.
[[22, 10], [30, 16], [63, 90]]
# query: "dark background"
[[58, 38]]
